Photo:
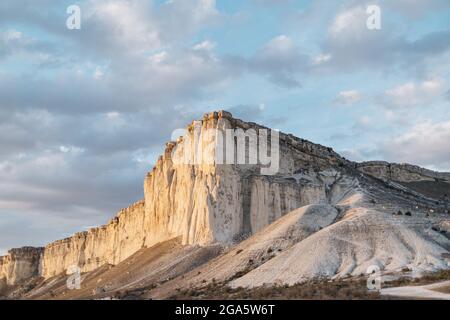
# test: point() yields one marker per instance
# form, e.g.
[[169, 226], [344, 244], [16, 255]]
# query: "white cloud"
[[321, 59], [350, 23], [11, 35], [71, 149], [426, 144], [159, 57], [348, 97], [364, 121], [279, 59], [129, 24], [413, 94], [280, 45], [98, 73], [13, 42], [205, 45]]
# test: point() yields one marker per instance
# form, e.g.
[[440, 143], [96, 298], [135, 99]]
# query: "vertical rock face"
[[203, 202], [109, 244], [20, 264], [219, 202]]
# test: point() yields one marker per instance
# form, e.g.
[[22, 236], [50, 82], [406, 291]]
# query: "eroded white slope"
[[272, 240], [363, 238]]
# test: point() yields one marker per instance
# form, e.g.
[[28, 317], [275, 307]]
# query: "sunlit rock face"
[[213, 201], [115, 242], [20, 264]]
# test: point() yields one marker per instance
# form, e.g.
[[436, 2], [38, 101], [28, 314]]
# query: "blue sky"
[[84, 113]]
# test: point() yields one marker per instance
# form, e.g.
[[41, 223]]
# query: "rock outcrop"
[[401, 172], [109, 244], [207, 201], [20, 264], [201, 203]]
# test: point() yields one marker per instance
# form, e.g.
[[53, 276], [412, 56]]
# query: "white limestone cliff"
[[20, 264], [201, 203]]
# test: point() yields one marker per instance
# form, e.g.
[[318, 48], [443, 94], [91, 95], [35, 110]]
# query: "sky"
[[85, 112]]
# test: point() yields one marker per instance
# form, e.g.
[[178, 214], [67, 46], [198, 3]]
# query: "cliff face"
[[203, 202], [212, 201], [109, 244], [401, 172], [20, 264]]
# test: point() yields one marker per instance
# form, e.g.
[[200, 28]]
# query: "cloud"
[[205, 45], [426, 144], [15, 44], [321, 59], [414, 94], [358, 155], [350, 23], [416, 8], [248, 112], [352, 46], [280, 60], [349, 97], [12, 41]]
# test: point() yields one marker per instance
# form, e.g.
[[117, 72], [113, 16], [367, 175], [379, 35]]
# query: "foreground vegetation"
[[349, 289]]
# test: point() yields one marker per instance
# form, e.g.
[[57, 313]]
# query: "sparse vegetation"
[[325, 290], [317, 289], [428, 278]]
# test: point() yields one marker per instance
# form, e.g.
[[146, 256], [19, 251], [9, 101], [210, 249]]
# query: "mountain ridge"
[[208, 204]]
